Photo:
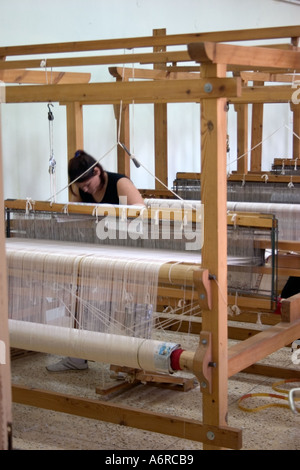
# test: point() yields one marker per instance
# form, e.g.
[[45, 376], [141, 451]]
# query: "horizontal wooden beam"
[[244, 55], [189, 90], [246, 219], [181, 427], [289, 245], [249, 94], [269, 77], [242, 355], [181, 74], [263, 177], [241, 56], [146, 58], [102, 210], [249, 177], [287, 162], [235, 69], [151, 74], [151, 41], [42, 77], [250, 219], [273, 371], [264, 94], [139, 92]]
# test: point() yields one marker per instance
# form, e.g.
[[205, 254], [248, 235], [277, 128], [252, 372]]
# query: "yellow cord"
[[275, 387]]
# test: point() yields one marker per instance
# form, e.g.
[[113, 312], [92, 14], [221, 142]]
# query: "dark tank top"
[[111, 193]]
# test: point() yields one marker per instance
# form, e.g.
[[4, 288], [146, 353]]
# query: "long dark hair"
[[81, 168]]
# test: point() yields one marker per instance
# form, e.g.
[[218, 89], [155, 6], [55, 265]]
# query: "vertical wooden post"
[[5, 380], [214, 252], [295, 108], [123, 126], [160, 129], [257, 133], [242, 137], [74, 128]]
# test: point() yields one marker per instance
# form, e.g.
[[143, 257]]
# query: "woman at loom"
[[93, 184], [90, 183]]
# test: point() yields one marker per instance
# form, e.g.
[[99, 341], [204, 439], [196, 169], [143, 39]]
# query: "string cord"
[[275, 387], [262, 141], [80, 176], [132, 156]]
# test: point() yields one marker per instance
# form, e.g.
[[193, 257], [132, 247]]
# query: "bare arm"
[[127, 189], [75, 196]]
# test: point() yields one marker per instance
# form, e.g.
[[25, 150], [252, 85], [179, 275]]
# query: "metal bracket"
[[202, 281], [202, 363]]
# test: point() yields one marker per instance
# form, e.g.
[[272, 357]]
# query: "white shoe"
[[68, 363]]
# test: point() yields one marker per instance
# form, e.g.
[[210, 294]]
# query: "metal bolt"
[[203, 384], [204, 341], [212, 364], [210, 435], [208, 87], [202, 296]]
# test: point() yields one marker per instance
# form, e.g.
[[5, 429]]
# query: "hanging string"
[[292, 131], [133, 108], [262, 141], [52, 162], [137, 162], [257, 145], [80, 176], [48, 270], [121, 105]]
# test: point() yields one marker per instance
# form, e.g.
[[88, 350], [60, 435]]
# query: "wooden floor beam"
[[184, 428]]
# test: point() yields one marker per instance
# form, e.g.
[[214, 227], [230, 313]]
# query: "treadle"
[[16, 353], [135, 377]]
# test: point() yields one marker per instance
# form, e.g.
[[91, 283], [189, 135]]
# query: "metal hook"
[[50, 114]]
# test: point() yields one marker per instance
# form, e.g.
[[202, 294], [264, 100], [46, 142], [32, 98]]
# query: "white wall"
[[25, 126]]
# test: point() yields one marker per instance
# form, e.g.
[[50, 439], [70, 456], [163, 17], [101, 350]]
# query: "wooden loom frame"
[[213, 90], [257, 95]]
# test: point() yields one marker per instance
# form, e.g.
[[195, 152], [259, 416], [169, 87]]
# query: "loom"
[[212, 362], [245, 190], [97, 302], [167, 226], [54, 287]]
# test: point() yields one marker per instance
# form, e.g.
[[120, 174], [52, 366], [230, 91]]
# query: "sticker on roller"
[[162, 356], [2, 92]]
